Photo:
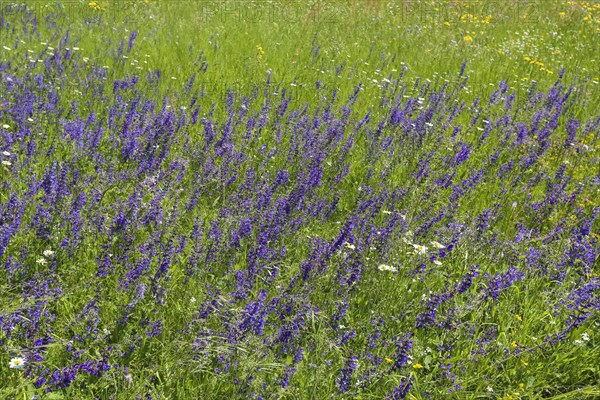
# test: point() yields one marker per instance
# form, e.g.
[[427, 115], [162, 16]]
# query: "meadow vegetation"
[[299, 200]]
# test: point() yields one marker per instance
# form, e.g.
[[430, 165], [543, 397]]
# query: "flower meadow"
[[324, 220]]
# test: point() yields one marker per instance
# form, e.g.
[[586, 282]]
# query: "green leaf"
[[30, 390], [427, 360]]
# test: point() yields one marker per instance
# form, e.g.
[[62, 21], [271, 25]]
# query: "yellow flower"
[[94, 5], [417, 366], [468, 38], [259, 52], [521, 385], [514, 344], [518, 317], [447, 23], [389, 360]]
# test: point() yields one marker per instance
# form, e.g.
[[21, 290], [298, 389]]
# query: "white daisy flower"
[[385, 267], [17, 363], [48, 253], [420, 249], [585, 337]]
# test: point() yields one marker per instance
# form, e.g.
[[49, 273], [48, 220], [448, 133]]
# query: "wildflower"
[[41, 261], [260, 52], [389, 360], [48, 253], [350, 246], [521, 385], [514, 344], [7, 163], [437, 245], [401, 390], [384, 267], [17, 363], [437, 262], [5, 126], [193, 300], [585, 336], [128, 378], [6, 153], [420, 249], [518, 317], [417, 366], [468, 38], [95, 6]]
